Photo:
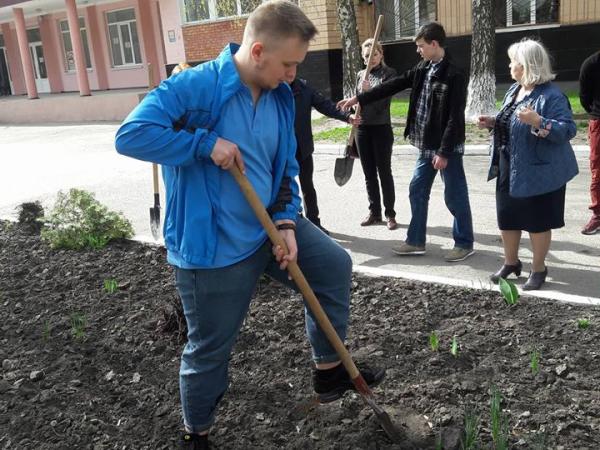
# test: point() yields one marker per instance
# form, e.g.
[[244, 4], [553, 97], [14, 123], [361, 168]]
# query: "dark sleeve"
[[457, 101], [586, 86], [326, 107], [388, 88]]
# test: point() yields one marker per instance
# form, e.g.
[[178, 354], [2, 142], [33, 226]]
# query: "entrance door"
[[5, 83], [39, 66]]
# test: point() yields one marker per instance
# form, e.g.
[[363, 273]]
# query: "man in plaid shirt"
[[436, 126]]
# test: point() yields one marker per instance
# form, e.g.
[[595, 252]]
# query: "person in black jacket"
[[305, 98], [375, 139], [436, 126], [589, 94]]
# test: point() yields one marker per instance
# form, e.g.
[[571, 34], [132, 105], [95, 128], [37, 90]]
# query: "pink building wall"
[[102, 75], [171, 21]]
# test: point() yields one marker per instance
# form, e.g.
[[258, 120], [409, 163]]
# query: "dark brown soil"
[[116, 386]]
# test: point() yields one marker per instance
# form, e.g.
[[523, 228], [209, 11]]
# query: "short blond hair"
[[534, 59], [368, 43], [277, 20]]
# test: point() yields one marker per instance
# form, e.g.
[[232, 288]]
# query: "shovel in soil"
[[359, 382], [155, 210]]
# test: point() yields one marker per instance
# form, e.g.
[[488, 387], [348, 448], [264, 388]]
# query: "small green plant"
[[46, 331], [78, 323], [111, 286], [499, 423], [471, 432], [434, 341], [534, 361], [79, 221], [438, 442], [583, 324], [454, 347], [509, 292]]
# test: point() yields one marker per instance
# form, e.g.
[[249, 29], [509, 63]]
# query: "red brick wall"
[[205, 41]]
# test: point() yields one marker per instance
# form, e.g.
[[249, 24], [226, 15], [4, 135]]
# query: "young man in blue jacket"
[[237, 109], [435, 125]]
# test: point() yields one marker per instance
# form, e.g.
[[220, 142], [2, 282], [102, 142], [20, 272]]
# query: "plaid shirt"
[[417, 129]]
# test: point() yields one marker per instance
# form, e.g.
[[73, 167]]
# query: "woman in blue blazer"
[[531, 159]]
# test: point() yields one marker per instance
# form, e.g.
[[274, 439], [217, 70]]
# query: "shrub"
[[79, 221], [30, 216]]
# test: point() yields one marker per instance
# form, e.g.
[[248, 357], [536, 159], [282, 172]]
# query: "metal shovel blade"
[[343, 170], [155, 219]]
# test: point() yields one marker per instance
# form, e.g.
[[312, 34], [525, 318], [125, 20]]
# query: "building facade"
[[52, 46], [93, 45]]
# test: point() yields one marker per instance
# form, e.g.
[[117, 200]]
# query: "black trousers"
[[308, 189], [375, 150]]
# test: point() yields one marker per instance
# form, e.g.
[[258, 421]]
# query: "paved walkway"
[[38, 161]]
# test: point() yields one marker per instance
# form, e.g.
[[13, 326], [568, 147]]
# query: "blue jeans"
[[456, 196], [215, 302]]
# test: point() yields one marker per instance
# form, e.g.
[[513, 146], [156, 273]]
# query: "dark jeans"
[[375, 150], [456, 196], [308, 190]]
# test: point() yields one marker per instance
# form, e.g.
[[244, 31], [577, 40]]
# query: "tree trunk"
[[351, 59], [482, 83]]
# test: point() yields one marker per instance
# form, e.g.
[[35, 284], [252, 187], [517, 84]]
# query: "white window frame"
[[416, 20], [86, 43], [212, 12], [121, 43], [532, 15]]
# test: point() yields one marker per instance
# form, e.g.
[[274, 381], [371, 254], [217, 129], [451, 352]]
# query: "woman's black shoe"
[[535, 280], [506, 270]]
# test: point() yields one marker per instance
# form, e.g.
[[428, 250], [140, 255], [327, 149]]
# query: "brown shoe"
[[370, 220], [593, 226], [391, 223]]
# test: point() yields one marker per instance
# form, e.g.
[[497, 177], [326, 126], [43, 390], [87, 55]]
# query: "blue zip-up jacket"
[[172, 126], [546, 162]]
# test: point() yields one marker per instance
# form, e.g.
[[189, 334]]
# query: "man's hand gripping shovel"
[[363, 389]]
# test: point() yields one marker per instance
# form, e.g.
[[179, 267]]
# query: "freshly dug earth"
[[115, 386]]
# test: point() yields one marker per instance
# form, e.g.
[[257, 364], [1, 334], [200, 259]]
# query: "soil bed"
[[115, 386]]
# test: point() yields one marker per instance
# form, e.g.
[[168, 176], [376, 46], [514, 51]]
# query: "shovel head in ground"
[[343, 166], [155, 218]]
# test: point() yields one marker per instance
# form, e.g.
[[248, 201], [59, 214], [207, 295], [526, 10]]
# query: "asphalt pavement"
[[38, 161]]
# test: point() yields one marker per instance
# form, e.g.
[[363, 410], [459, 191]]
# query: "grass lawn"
[[399, 110]]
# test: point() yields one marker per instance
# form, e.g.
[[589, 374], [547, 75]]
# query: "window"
[[33, 35], [198, 10], [1, 41], [525, 12], [124, 42], [68, 45], [404, 17]]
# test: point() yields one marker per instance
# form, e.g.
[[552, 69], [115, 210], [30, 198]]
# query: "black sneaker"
[[331, 384], [190, 441]]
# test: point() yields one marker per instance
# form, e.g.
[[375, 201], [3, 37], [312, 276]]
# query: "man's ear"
[[257, 50]]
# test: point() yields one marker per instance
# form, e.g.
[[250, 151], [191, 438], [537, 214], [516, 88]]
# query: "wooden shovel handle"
[[297, 275], [155, 177], [378, 28]]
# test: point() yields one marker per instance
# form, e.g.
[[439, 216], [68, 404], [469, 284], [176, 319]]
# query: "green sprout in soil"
[[471, 432], [583, 324], [499, 423], [454, 347], [110, 286], [78, 325], [509, 292], [438, 442], [46, 331], [534, 361], [434, 341]]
